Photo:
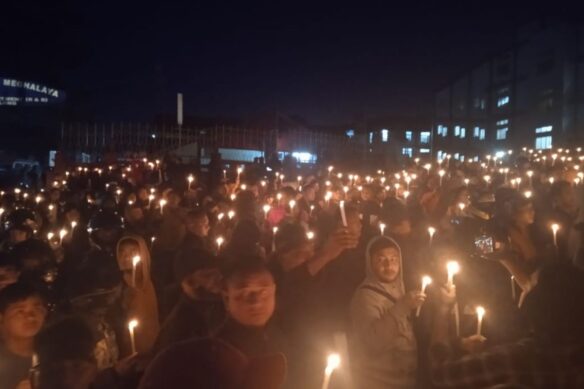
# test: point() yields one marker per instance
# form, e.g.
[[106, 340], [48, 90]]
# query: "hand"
[[24, 384], [124, 366], [339, 241], [414, 299], [448, 295], [473, 344]]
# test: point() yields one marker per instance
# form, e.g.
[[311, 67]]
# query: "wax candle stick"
[[135, 261], [343, 215], [555, 227], [431, 232], [190, 180], [480, 314], [381, 228], [219, 242], [426, 280], [274, 231], [266, 209], [162, 203], [132, 324], [333, 362]]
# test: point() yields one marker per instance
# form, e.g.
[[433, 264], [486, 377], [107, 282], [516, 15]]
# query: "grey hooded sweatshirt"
[[383, 345]]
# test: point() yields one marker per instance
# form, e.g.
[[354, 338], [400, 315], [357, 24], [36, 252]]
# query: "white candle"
[[162, 203], [274, 231], [62, 234], [292, 204], [132, 324], [555, 227], [310, 235], [431, 232], [381, 228], [266, 208], [73, 225], [452, 267], [135, 261], [441, 174], [513, 289], [219, 242], [50, 236], [190, 179], [343, 215], [426, 280], [150, 198], [480, 314], [231, 214], [333, 362]]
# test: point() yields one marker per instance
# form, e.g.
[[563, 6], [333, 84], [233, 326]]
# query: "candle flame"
[[333, 361], [135, 260], [132, 324], [480, 312]]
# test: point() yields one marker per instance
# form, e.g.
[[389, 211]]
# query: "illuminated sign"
[[14, 93]]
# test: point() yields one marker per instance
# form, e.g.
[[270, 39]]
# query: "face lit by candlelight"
[[249, 297], [127, 250], [385, 263]]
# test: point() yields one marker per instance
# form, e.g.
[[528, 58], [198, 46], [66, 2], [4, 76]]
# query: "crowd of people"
[[145, 274]]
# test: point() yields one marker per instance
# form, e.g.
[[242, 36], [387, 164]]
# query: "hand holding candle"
[[132, 324], [452, 267], [426, 280], [343, 215]]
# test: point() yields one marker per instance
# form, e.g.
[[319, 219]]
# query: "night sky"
[[328, 63]]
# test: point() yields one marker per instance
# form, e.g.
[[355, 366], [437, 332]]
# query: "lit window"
[[543, 142], [502, 101], [482, 134], [503, 122], [442, 130], [477, 132], [540, 130], [439, 155], [456, 130], [409, 136], [425, 137], [456, 156], [384, 135], [462, 132], [304, 157], [502, 133], [350, 133], [424, 151], [407, 151], [371, 137]]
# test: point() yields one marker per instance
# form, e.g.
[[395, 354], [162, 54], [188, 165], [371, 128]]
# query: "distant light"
[[304, 156], [153, 136]]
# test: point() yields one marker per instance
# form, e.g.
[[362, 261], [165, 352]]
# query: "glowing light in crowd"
[[132, 324], [527, 194], [452, 268], [381, 228], [292, 204], [480, 314], [333, 362], [231, 214], [266, 208], [426, 280], [162, 203], [310, 235], [135, 262], [431, 232], [555, 228], [343, 215], [220, 216], [62, 234], [190, 179], [219, 242]]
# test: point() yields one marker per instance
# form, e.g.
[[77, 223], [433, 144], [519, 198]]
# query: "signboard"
[[15, 93]]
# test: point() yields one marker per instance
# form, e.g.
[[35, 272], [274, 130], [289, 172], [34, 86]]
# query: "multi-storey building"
[[530, 94]]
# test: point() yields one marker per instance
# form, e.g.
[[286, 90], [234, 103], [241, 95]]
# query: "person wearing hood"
[[139, 297], [383, 345]]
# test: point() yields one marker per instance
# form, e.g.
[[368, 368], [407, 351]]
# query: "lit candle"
[[333, 362], [527, 194], [239, 170], [190, 179], [219, 242], [461, 206], [452, 268], [426, 280], [330, 169], [150, 198], [231, 214], [220, 216], [299, 179], [38, 199], [73, 225], [132, 324], [135, 261], [551, 180], [279, 197], [232, 196], [274, 231], [555, 227], [431, 232], [381, 228], [50, 236], [441, 174], [327, 197], [162, 203], [466, 181], [266, 208], [311, 209], [343, 215], [62, 234], [292, 204], [480, 314], [310, 235]]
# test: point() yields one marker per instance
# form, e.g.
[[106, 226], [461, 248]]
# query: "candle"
[[381, 228], [190, 179], [480, 314], [274, 231], [431, 232], [426, 280], [73, 225], [527, 194], [243, 187], [327, 197], [266, 208], [330, 169], [292, 204], [62, 234], [220, 216], [310, 235], [466, 181], [219, 242], [162, 203], [452, 268], [135, 261], [231, 214], [50, 236], [38, 199], [441, 174], [224, 174], [461, 206], [150, 198], [555, 227], [343, 216], [232, 196], [513, 288], [132, 324], [333, 362], [239, 170]]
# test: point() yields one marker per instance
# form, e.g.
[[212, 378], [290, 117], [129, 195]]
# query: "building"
[[530, 94]]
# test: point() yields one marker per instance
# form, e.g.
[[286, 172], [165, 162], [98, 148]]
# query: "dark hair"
[[17, 292], [197, 213], [558, 187], [382, 244], [244, 266], [8, 260], [289, 236], [70, 338], [189, 261]]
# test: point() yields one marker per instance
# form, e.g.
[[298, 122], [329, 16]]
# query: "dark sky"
[[328, 63]]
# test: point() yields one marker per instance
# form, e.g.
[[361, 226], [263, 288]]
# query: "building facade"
[[530, 94]]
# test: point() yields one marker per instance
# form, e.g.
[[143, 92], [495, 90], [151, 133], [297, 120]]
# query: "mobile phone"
[[484, 244]]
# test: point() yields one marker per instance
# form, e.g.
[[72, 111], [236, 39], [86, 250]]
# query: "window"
[[504, 100], [350, 133], [456, 130], [477, 132], [425, 137], [543, 129], [502, 133], [456, 156], [442, 130], [424, 151], [407, 151], [409, 136], [371, 137], [385, 135], [503, 122], [483, 134], [480, 103], [543, 142], [439, 155], [462, 132]]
